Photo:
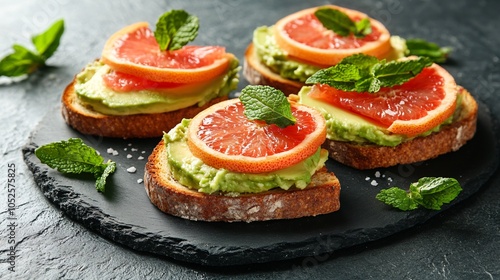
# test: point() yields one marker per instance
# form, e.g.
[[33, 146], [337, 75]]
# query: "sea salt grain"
[[367, 179], [377, 174], [133, 150], [374, 183], [115, 152], [131, 169], [140, 158], [139, 181], [129, 156], [109, 150]]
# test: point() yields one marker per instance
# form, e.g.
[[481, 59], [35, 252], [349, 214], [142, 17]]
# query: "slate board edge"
[[64, 198]]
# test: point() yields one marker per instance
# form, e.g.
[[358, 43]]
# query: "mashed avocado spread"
[[91, 89], [344, 126], [276, 59], [193, 173]]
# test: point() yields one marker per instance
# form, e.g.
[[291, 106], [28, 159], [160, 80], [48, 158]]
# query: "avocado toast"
[[207, 168]]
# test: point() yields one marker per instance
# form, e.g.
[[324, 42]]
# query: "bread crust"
[[258, 74], [88, 121], [322, 196], [448, 139]]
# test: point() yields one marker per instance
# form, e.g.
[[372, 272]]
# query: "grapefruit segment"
[[303, 36], [121, 82], [133, 50], [412, 108], [223, 137]]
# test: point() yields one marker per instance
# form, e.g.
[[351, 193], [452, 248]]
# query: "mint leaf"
[[176, 28], [397, 198], [342, 76], [100, 183], [74, 157], [434, 192], [363, 27], [361, 61], [340, 23], [21, 62], [364, 73], [24, 61], [420, 47], [428, 192], [47, 42], [369, 84], [71, 156], [267, 104], [398, 72]]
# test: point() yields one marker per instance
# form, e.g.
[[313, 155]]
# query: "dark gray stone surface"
[[460, 243]]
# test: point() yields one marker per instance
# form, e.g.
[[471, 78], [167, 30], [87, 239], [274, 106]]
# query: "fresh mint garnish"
[[176, 28], [24, 61], [75, 157], [364, 73], [100, 183], [340, 23], [428, 192], [267, 104], [420, 47]]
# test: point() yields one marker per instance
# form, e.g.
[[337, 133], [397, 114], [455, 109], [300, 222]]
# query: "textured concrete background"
[[459, 244]]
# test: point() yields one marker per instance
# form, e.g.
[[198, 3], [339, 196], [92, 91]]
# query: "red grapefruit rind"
[[245, 164], [157, 74], [379, 48]]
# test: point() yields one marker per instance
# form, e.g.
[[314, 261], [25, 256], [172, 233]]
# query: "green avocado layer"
[[91, 89], [193, 173], [276, 59]]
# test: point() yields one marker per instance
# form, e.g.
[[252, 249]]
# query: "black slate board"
[[125, 215]]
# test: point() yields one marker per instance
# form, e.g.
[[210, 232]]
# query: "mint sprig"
[[340, 23], [364, 73], [267, 104], [75, 157], [421, 47], [176, 28], [24, 61], [428, 192]]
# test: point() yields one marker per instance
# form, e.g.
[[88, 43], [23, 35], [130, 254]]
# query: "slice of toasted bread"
[[320, 197], [82, 118], [258, 74], [449, 138]]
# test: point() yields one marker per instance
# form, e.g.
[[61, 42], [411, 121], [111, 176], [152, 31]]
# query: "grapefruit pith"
[[303, 36], [133, 50], [412, 108], [223, 137]]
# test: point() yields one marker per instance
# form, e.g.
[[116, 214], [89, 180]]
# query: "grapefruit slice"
[[121, 82], [223, 137], [410, 109], [133, 50], [303, 36]]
